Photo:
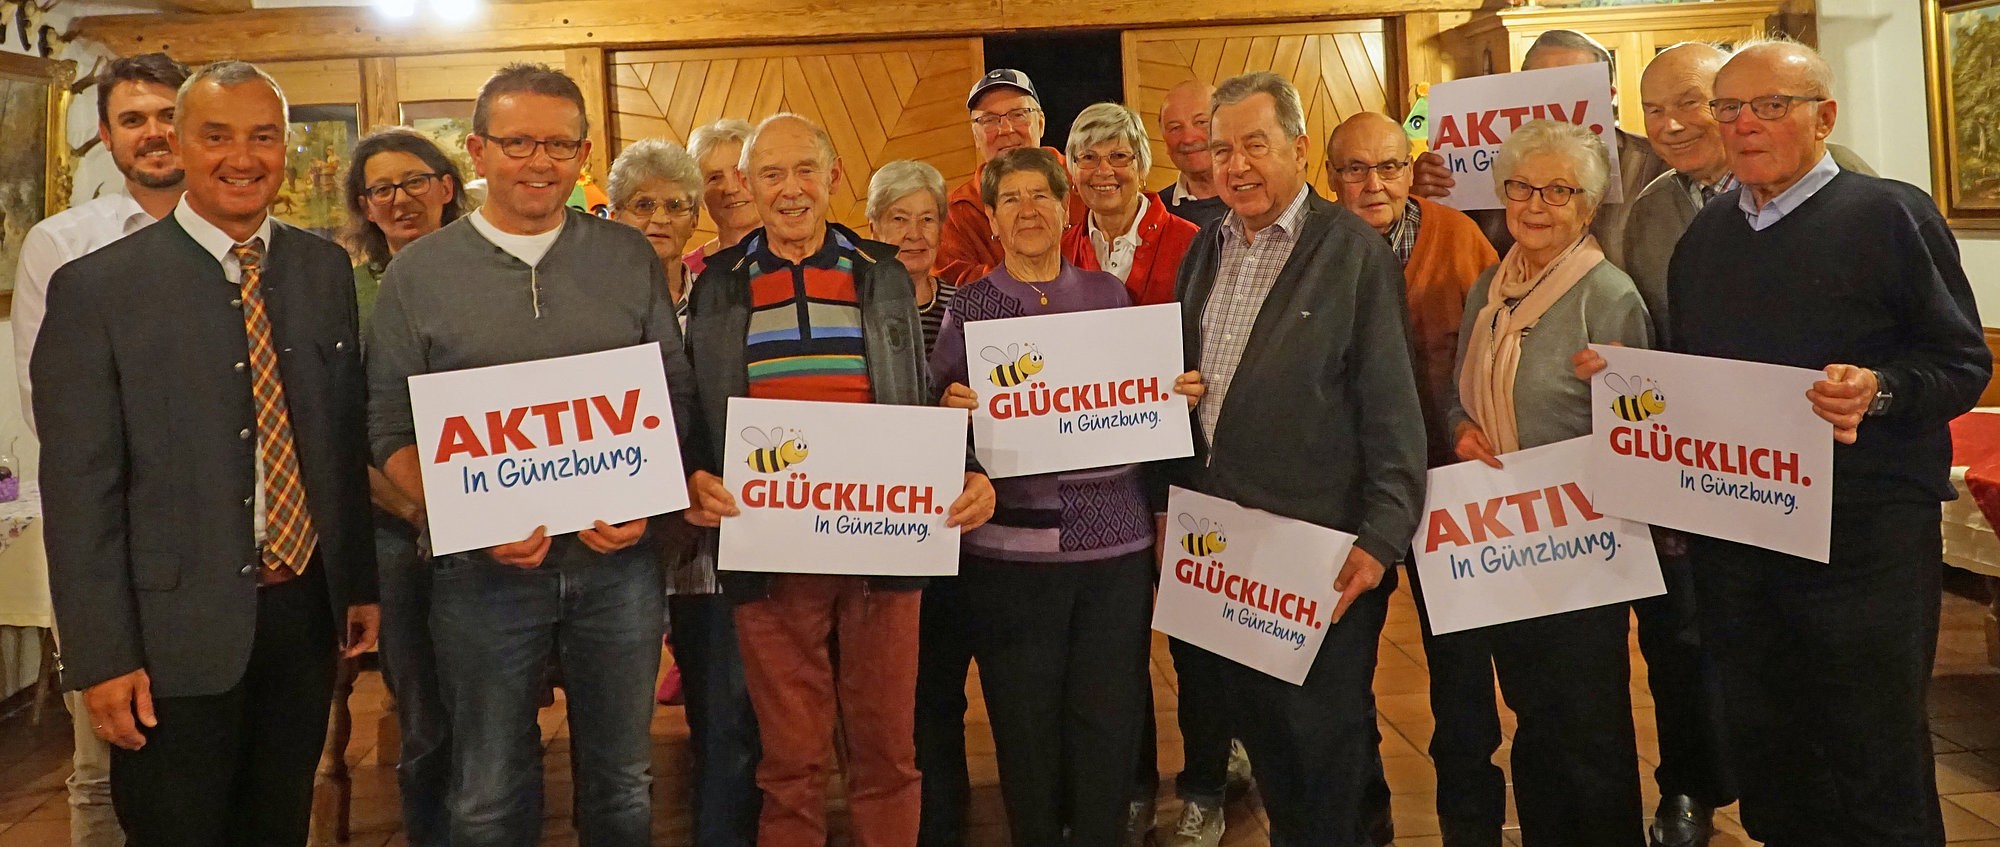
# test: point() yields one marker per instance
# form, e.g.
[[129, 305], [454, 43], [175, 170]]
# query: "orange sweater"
[[1449, 254]]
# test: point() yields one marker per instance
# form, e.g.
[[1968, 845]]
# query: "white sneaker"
[[1139, 823], [1200, 825]]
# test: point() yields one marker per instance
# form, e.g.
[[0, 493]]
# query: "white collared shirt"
[[1791, 198], [1114, 254], [218, 244], [69, 235]]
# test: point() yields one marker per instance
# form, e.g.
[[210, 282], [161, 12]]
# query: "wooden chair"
[[333, 787]]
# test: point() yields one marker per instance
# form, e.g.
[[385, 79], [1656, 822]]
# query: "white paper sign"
[[1498, 546], [1471, 117], [561, 443], [1246, 584], [1077, 390], [841, 488], [1718, 447]]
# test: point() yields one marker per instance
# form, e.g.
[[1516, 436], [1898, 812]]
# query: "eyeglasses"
[[1358, 172], [417, 185], [1120, 159], [1018, 117], [516, 147], [647, 208], [1769, 107], [1554, 195]]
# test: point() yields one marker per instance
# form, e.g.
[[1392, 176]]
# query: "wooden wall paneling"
[[457, 76], [380, 105], [1339, 67], [318, 83], [879, 101], [586, 66]]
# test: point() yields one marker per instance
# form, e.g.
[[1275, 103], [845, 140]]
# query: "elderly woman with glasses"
[[1128, 233], [1566, 676], [1059, 585], [655, 188], [400, 187], [716, 149], [906, 201]]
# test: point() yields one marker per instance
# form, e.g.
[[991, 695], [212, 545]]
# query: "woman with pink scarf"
[[1567, 677]]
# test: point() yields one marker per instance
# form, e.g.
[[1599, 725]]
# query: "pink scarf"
[[1493, 353]]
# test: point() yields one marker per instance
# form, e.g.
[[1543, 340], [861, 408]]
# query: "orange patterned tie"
[[288, 530]]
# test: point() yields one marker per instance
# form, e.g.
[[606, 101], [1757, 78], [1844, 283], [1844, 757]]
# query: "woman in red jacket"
[[1129, 233]]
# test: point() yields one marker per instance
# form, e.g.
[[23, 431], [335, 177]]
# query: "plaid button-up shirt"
[[1243, 278], [1403, 236]]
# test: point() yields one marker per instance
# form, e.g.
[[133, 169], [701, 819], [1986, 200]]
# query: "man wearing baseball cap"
[[1006, 113]]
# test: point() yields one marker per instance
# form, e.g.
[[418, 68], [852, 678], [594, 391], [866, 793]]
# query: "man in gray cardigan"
[[1294, 314], [525, 279]]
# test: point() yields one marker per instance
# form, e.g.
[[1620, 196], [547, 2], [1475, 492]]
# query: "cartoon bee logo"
[[1638, 398], [1013, 367], [1201, 539], [773, 451]]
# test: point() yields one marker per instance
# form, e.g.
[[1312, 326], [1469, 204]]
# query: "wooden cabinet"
[[1496, 42]]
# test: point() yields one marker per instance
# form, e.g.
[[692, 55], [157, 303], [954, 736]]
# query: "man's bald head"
[[1791, 59], [1770, 154], [1674, 92], [1686, 59], [1184, 127], [1356, 148]]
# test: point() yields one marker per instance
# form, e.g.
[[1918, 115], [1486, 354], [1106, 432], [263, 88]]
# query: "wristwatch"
[[1883, 396]]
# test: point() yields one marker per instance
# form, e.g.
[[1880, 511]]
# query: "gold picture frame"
[[1961, 48], [34, 102]]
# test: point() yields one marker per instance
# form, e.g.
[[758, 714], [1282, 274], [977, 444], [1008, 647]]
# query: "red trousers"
[[792, 686]]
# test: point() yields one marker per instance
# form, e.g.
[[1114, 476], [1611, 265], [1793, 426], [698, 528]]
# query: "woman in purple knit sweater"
[[1060, 582]]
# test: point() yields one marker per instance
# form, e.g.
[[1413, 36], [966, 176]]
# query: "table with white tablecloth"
[[25, 609]]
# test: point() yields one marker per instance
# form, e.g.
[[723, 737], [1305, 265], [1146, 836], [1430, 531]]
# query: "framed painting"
[[1961, 48], [315, 160], [34, 176]]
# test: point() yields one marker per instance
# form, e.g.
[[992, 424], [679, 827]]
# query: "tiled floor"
[[1965, 708]]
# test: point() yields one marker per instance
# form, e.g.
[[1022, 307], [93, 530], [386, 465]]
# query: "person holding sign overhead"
[[1294, 314], [1566, 676], [524, 279], [1059, 586], [805, 309], [1824, 667]]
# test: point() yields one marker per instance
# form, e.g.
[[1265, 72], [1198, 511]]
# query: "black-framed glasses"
[[1120, 159], [416, 185], [1358, 172], [1554, 195], [1769, 107], [647, 208], [1018, 117], [520, 147]]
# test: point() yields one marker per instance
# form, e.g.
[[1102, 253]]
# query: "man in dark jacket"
[[784, 621], [1295, 317]]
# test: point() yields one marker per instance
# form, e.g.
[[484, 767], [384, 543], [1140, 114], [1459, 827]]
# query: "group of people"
[[234, 499]]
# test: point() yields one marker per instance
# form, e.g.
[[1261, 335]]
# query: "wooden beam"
[[274, 34], [211, 7], [586, 66], [380, 105]]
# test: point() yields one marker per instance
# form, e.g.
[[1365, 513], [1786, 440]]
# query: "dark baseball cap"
[[1000, 76]]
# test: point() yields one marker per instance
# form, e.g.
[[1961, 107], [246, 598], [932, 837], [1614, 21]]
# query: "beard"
[[157, 181]]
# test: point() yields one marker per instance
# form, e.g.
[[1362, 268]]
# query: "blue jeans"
[[722, 727], [495, 628], [409, 666]]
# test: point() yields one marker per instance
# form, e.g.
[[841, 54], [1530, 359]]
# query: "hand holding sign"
[[1843, 398], [1358, 575], [1471, 118]]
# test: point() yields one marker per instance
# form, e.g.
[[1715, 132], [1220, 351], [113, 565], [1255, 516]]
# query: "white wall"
[[1877, 51]]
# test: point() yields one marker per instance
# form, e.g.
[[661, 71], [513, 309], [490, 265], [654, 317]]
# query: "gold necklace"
[[1038, 290]]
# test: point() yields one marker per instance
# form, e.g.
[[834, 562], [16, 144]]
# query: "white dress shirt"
[[218, 244], [1114, 253], [57, 241]]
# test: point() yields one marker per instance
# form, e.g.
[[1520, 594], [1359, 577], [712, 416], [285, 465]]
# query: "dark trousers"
[[1687, 697], [944, 659], [722, 726], [1575, 757], [1313, 745], [1824, 670], [1204, 721], [1062, 662], [409, 666], [236, 768]]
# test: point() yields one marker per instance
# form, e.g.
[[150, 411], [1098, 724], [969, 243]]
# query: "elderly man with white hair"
[[863, 333], [1824, 667]]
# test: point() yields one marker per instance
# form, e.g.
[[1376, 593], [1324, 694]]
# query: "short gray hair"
[[646, 160], [900, 179], [1236, 89], [1584, 149], [826, 150], [228, 73], [1566, 39], [704, 138], [1106, 122], [1019, 160]]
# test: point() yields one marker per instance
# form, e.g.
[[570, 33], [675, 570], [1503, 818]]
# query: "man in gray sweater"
[[525, 279]]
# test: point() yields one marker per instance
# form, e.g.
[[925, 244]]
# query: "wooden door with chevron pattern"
[[1339, 67], [881, 101]]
